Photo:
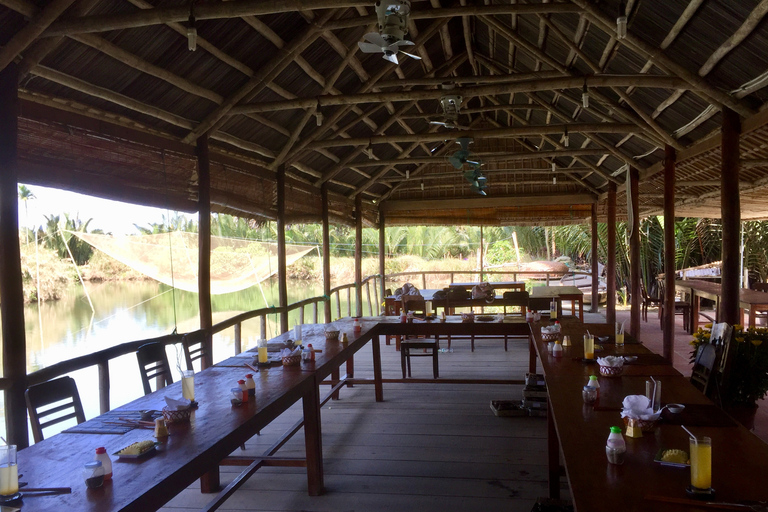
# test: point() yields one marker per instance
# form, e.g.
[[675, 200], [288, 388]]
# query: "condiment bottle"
[[528, 315], [93, 474], [106, 462], [403, 317], [161, 430], [615, 447], [557, 325], [557, 350], [344, 339], [250, 385], [593, 383], [244, 389], [311, 352], [589, 394], [356, 327]]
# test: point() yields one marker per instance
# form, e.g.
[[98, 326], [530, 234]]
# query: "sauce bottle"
[[557, 350], [250, 385], [311, 352], [244, 389], [106, 462], [615, 447], [593, 383], [356, 327]]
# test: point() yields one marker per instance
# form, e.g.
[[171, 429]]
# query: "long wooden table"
[[498, 285], [751, 300], [580, 431], [569, 293]]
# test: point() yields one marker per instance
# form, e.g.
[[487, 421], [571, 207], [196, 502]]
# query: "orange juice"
[[589, 347], [9, 479], [620, 339], [263, 354], [701, 463]]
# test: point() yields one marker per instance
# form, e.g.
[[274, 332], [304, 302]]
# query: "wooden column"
[[669, 253], [326, 252], [282, 272], [359, 254], [11, 289], [634, 254], [204, 246], [480, 254], [610, 271], [731, 216], [382, 252], [595, 272]]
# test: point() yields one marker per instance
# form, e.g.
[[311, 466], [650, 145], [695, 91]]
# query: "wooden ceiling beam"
[[545, 84], [484, 156], [470, 79], [486, 202], [240, 8]]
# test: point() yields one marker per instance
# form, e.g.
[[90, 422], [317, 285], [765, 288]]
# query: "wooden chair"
[[681, 307], [760, 287], [704, 368], [193, 344], [409, 346], [64, 401], [153, 364], [516, 299], [711, 369], [648, 301]]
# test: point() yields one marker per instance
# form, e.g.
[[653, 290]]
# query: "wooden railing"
[[480, 275]]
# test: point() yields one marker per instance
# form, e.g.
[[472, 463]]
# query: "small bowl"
[[675, 408], [612, 371], [645, 425], [331, 335], [176, 416], [291, 360]]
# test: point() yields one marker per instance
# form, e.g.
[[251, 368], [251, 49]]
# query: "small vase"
[[744, 414]]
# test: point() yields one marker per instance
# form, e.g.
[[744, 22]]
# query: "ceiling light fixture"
[[319, 118], [585, 95], [621, 22], [422, 185], [192, 29], [407, 174], [566, 138], [369, 150]]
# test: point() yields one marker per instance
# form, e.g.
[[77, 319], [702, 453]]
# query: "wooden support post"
[[282, 272], [204, 244], [11, 289], [731, 218], [238, 338], [635, 290], [382, 253], [610, 271], [480, 254], [669, 253], [594, 306], [103, 386], [359, 254], [326, 253]]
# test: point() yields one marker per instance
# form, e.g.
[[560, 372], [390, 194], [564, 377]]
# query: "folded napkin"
[[178, 405], [286, 352], [549, 329], [617, 361], [638, 407]]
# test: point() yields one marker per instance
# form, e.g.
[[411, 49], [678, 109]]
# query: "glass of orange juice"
[[589, 347], [263, 356], [701, 464], [9, 474]]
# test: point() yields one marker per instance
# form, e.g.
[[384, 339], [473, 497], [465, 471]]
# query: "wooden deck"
[[427, 447]]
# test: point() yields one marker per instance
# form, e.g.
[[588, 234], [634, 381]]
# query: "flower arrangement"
[[749, 366]]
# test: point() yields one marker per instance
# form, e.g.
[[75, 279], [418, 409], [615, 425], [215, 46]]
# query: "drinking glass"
[[297, 331], [9, 473], [620, 339], [649, 394], [263, 356], [188, 384], [589, 347], [701, 463]]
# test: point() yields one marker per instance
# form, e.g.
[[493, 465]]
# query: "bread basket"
[[291, 360], [176, 416], [549, 336], [331, 335], [611, 371]]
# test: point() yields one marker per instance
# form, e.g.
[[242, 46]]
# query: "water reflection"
[[126, 311]]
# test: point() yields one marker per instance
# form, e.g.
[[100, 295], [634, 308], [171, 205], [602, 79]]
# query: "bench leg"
[[435, 370], [403, 355]]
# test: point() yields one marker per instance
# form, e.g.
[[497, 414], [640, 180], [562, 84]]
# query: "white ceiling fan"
[[393, 26]]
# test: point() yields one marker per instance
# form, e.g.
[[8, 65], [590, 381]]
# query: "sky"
[[110, 216]]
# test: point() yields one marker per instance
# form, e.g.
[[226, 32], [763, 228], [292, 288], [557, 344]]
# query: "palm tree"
[[25, 195]]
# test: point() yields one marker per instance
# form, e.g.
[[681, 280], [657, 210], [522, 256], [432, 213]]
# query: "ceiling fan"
[[477, 182], [461, 157], [393, 26], [451, 105], [450, 124]]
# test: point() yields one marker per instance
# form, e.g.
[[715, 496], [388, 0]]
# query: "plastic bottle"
[[311, 352], [558, 327], [615, 447], [106, 462], [529, 316], [250, 384], [344, 339], [593, 383], [244, 389], [356, 327], [403, 317], [557, 350], [93, 474]]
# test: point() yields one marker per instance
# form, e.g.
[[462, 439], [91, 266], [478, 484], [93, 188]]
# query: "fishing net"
[[171, 258]]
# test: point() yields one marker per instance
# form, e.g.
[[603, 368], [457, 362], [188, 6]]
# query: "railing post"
[[103, 386], [547, 278], [349, 301], [376, 297], [314, 311], [338, 304], [238, 338], [423, 281], [263, 326], [368, 296], [301, 315]]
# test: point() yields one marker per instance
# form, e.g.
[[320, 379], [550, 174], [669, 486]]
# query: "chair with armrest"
[[52, 402], [153, 364], [409, 345]]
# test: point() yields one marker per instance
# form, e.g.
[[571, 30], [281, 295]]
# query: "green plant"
[[749, 364]]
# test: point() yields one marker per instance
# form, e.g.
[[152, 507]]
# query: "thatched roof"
[[112, 102]]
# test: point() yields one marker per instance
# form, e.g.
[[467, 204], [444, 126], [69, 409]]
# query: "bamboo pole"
[[11, 289], [634, 254], [537, 85], [282, 273], [731, 218], [610, 271], [668, 346], [326, 253]]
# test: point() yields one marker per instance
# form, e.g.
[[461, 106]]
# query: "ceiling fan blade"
[[456, 162], [439, 123], [405, 42], [392, 57], [369, 48], [474, 162], [411, 55], [376, 38]]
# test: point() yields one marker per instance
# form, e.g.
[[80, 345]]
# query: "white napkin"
[[178, 405], [549, 329], [611, 361], [638, 407]]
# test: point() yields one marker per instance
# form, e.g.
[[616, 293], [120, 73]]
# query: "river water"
[[127, 311]]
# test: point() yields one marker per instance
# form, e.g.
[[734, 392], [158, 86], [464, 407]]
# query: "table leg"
[[581, 309], [210, 481], [334, 381], [377, 384], [752, 316], [553, 456], [531, 355], [313, 440], [350, 368], [695, 307]]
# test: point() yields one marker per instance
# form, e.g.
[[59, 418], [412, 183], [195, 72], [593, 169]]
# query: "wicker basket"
[[645, 425], [291, 360], [331, 335], [549, 336], [612, 371], [175, 416]]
